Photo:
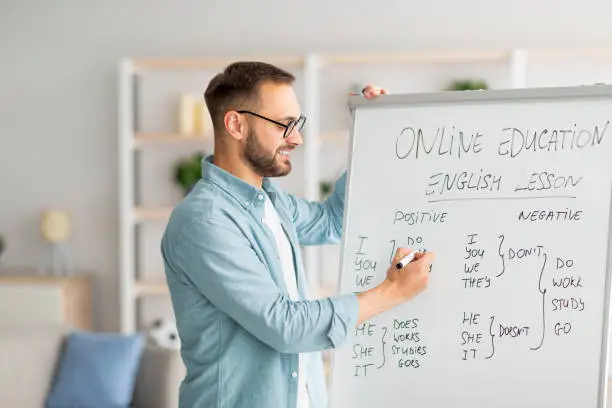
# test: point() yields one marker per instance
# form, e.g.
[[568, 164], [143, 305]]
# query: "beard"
[[262, 162]]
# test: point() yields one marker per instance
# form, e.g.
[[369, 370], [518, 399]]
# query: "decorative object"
[[188, 171], [194, 120], [55, 229], [467, 85], [97, 370], [164, 334]]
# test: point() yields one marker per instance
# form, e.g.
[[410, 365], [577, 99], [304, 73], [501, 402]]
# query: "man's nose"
[[295, 138]]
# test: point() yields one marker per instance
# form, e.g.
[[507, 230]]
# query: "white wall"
[[58, 85]]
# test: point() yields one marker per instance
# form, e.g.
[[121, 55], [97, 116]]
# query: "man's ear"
[[233, 125]]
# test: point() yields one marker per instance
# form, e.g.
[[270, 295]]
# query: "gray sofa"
[[30, 356]]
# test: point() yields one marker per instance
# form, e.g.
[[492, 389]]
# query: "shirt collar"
[[246, 194]]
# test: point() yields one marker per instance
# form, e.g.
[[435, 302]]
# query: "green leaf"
[[188, 171], [467, 85]]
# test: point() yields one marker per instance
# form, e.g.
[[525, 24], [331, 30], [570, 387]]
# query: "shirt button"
[[294, 374], [260, 197]]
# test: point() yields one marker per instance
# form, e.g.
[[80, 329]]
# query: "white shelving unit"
[[311, 66], [132, 142]]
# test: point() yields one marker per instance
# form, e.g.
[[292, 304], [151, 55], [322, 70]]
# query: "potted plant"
[[188, 171], [325, 189], [467, 85]]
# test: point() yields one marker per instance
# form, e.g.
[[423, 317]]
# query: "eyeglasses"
[[294, 124]]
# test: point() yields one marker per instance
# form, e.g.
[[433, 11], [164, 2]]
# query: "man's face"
[[268, 154]]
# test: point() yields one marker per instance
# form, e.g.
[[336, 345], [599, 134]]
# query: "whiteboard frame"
[[519, 95], [598, 91]]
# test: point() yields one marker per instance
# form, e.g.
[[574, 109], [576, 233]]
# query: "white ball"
[[163, 332]]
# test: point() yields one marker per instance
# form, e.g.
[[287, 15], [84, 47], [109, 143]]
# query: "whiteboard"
[[511, 190]]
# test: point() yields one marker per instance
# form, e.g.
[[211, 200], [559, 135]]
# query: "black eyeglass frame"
[[296, 123]]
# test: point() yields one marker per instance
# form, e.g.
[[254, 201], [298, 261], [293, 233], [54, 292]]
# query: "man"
[[249, 335]]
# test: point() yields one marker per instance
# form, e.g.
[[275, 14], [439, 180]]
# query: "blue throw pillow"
[[97, 370]]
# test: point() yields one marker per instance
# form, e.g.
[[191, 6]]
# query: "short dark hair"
[[238, 86]]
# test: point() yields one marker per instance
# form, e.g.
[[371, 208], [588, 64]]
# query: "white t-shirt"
[[286, 258]]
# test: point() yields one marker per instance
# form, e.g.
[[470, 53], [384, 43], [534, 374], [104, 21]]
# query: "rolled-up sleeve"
[[217, 259], [344, 317]]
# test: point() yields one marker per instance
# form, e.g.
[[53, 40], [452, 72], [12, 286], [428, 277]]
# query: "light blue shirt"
[[240, 332]]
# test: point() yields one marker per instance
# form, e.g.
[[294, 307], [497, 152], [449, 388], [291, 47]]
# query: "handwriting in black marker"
[[392, 250], [471, 181], [501, 237], [543, 292], [383, 347], [492, 338], [360, 251], [441, 141], [419, 217], [516, 141], [547, 180], [439, 200], [550, 215]]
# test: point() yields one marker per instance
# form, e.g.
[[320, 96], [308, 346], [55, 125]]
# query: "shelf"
[[211, 63], [149, 139], [419, 57], [150, 288], [152, 213], [339, 58], [465, 56], [571, 53]]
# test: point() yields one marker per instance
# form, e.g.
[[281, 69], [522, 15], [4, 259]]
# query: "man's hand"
[[371, 91], [413, 278], [400, 286]]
